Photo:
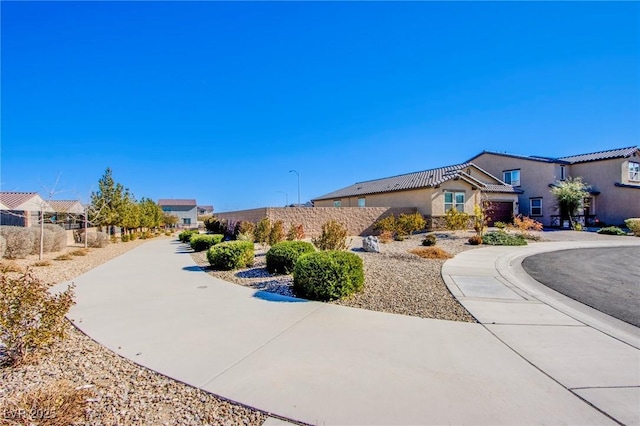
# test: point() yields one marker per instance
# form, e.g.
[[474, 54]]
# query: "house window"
[[166, 209], [336, 203], [563, 175], [361, 202], [186, 221], [454, 200], [634, 171], [535, 206], [511, 177]]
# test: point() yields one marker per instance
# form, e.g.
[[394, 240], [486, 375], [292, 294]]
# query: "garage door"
[[500, 211]]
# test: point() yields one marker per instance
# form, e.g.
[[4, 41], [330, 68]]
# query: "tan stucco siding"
[[417, 198]]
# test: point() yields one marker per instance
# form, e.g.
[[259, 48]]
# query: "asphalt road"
[[607, 279]]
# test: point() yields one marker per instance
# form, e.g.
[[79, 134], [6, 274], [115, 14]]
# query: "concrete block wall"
[[358, 220]]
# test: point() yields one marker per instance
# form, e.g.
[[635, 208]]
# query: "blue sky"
[[219, 100]]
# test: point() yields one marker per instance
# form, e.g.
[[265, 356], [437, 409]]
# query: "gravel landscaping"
[[124, 393], [396, 281]]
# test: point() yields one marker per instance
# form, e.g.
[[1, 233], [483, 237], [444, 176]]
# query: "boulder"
[[370, 244]]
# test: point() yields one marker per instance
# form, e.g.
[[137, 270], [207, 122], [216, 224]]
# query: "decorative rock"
[[370, 244]]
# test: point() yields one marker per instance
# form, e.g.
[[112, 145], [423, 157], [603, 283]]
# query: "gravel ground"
[[396, 281], [125, 393]]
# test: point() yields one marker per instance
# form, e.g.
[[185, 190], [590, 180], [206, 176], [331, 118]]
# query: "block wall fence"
[[358, 220]]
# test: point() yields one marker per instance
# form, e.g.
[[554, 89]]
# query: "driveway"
[[605, 278]]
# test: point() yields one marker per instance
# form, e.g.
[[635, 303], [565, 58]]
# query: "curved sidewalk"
[[327, 364], [591, 354]]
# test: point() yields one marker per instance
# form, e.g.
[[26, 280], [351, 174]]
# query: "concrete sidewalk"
[[328, 364]]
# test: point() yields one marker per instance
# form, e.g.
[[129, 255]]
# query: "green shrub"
[[501, 238], [262, 231], [456, 221], [328, 275], [332, 237], [277, 233], [633, 224], [407, 224], [386, 224], [214, 225], [243, 230], [500, 225], [611, 230], [429, 240], [296, 232], [475, 240], [282, 257], [205, 241], [60, 236], [124, 238], [185, 236], [231, 255], [31, 318], [19, 241]]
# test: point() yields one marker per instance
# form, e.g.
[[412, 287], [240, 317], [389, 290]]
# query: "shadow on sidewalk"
[[274, 297]]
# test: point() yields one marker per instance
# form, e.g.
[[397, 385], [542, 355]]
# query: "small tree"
[[277, 233], [262, 231], [571, 195]]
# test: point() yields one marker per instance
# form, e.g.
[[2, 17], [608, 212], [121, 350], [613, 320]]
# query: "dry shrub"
[[525, 223], [10, 266], [79, 252], [56, 403], [3, 245], [31, 318], [277, 233], [296, 232], [97, 240], [385, 236], [47, 241], [42, 263], [431, 253], [333, 237], [19, 241], [65, 256], [60, 236]]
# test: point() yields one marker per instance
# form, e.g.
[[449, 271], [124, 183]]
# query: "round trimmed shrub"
[[231, 255], [205, 241], [185, 236], [47, 241], [60, 236], [475, 240], [282, 257], [19, 241], [328, 275], [429, 240]]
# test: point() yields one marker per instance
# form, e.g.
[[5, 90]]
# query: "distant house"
[[185, 209], [22, 208], [205, 210], [67, 213], [614, 176], [432, 192]]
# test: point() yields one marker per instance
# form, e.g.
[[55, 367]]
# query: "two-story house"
[[184, 209], [614, 177]]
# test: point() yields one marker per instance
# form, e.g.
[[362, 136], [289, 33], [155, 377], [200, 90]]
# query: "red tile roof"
[[15, 199]]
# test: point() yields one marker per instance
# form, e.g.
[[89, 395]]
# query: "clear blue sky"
[[218, 101]]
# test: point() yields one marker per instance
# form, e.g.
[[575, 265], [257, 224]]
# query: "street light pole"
[[298, 174]]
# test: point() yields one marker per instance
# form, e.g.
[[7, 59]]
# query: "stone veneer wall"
[[358, 220]]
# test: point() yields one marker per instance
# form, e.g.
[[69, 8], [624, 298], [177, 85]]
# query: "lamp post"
[[298, 174], [286, 198]]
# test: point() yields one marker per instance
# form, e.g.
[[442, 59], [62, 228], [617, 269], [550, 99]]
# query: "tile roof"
[[523, 157], [601, 155], [424, 179], [176, 202], [15, 199], [66, 206]]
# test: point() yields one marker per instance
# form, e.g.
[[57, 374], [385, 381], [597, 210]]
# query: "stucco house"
[[68, 213], [205, 210], [432, 192], [22, 208], [185, 209], [614, 176]]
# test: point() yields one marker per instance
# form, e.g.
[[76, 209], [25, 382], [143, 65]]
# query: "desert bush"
[[332, 237], [31, 318], [296, 232], [41, 263], [501, 238], [611, 230], [525, 223], [431, 253], [243, 230], [64, 256], [429, 240], [124, 238], [500, 225], [475, 240], [185, 236], [60, 236], [529, 236], [10, 266], [281, 258], [231, 255], [386, 224], [47, 240], [205, 241], [328, 275], [57, 403], [455, 220], [632, 223], [214, 225], [79, 252], [96, 240], [277, 233], [262, 231], [19, 241], [407, 224], [385, 236], [3, 245]]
